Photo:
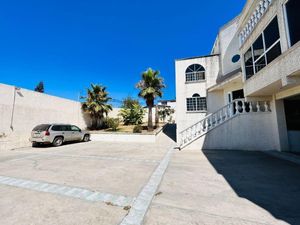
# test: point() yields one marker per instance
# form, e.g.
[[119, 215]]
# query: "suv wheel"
[[86, 138], [58, 141]]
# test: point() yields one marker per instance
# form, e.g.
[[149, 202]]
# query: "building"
[[169, 103], [246, 93]]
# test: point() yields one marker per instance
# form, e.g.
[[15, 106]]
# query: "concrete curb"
[[142, 202]]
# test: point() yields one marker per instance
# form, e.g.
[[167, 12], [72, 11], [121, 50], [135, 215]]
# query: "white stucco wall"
[[229, 46], [241, 133], [32, 108], [186, 90], [215, 100]]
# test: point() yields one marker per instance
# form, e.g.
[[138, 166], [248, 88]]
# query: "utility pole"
[[13, 108]]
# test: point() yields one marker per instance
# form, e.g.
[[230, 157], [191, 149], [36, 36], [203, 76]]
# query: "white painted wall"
[[32, 108], [241, 133], [215, 101], [185, 90], [229, 46]]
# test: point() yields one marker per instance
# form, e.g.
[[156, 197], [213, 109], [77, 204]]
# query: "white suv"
[[57, 134]]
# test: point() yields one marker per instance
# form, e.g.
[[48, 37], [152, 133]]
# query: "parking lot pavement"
[[81, 183], [21, 206], [152, 184], [227, 187]]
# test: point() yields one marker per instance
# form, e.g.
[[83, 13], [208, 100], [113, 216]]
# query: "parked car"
[[57, 134]]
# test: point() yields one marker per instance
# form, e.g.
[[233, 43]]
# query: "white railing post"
[[250, 107], [237, 107], [207, 124], [266, 107], [243, 106], [258, 106]]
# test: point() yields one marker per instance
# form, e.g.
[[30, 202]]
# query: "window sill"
[[201, 111], [195, 82]]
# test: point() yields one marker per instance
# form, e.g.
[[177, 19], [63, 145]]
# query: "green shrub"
[[113, 123], [137, 129], [132, 114]]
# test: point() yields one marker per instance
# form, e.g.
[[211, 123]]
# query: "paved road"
[[122, 183]]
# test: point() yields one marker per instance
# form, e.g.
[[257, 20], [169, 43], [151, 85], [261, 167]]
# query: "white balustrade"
[[255, 17], [235, 108]]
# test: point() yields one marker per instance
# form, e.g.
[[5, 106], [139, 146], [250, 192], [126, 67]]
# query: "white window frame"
[[286, 23], [265, 50], [194, 108], [195, 76]]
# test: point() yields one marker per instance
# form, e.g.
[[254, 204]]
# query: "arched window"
[[196, 103], [194, 73]]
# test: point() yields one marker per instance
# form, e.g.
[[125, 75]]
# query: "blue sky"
[[69, 44]]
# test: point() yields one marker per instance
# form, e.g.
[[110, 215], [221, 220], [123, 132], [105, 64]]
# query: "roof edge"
[[197, 57]]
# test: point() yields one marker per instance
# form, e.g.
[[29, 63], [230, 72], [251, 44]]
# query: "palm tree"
[[96, 104], [150, 87]]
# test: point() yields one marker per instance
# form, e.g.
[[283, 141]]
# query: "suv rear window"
[[56, 128], [41, 127]]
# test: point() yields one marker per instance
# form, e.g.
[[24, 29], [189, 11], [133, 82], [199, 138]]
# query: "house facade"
[[246, 93]]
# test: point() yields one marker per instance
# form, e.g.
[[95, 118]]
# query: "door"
[[66, 132], [238, 94], [76, 133], [292, 115]]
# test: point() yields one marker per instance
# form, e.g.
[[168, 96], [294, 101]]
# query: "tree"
[[132, 114], [150, 87], [164, 112], [129, 102], [40, 87], [96, 104]]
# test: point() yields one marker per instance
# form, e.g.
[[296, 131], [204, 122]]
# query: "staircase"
[[221, 116]]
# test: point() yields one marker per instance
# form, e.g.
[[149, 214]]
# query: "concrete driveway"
[[130, 183], [81, 183]]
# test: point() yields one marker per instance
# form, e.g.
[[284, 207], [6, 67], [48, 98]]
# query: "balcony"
[[282, 73]]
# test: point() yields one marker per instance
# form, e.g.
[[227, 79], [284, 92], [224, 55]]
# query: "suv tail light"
[[47, 133]]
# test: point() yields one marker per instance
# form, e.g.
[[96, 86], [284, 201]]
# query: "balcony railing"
[[211, 121]]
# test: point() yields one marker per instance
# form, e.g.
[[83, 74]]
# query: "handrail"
[[225, 113], [218, 110]]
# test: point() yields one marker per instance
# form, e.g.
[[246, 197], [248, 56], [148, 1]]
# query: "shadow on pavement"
[[270, 183], [170, 131]]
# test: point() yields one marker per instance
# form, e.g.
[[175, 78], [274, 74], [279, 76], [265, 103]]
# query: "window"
[[258, 51], [235, 58], [264, 50], [74, 128], [249, 63], [56, 128], [194, 73], [292, 14], [196, 103], [41, 127]]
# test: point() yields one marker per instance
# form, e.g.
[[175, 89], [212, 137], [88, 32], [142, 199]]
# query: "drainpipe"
[[13, 108]]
